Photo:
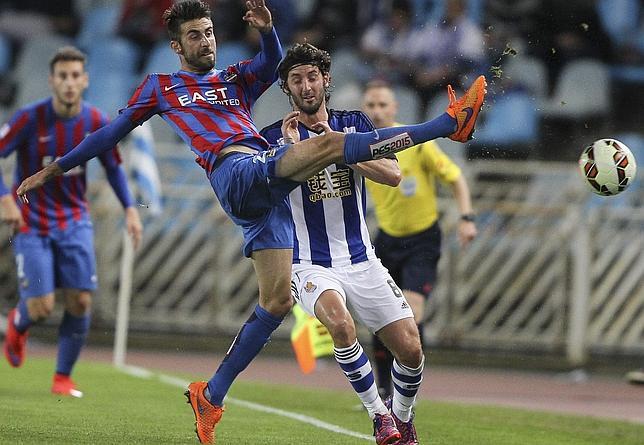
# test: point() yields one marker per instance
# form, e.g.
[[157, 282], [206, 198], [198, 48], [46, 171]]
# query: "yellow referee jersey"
[[411, 207]]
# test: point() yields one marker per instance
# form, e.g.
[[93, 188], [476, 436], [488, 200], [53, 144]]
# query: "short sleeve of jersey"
[[13, 133], [253, 87], [144, 103], [439, 163], [363, 123], [272, 132]]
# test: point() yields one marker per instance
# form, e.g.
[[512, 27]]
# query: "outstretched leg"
[[273, 269], [308, 157]]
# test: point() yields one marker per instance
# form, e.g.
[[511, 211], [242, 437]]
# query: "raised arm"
[[93, 145], [265, 63]]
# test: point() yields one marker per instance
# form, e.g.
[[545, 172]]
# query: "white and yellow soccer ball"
[[608, 166]]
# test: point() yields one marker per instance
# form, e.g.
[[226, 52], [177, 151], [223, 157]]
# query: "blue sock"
[[22, 320], [251, 338], [71, 338], [382, 142]]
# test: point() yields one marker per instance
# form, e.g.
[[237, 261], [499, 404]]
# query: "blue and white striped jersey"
[[329, 209]]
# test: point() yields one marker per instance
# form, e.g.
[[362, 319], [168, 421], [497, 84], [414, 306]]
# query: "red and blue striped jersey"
[[208, 111], [39, 136]]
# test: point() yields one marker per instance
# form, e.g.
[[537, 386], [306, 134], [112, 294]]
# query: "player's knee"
[[277, 300], [342, 330], [40, 308], [79, 304], [412, 355]]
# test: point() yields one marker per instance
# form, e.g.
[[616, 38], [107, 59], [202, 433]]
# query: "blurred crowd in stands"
[[559, 72]]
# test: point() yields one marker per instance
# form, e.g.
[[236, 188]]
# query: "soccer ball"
[[608, 166]]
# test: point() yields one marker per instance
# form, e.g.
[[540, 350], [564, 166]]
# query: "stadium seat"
[[510, 128], [161, 59], [5, 54], [271, 106], [528, 72], [619, 18], [229, 53], [582, 90], [112, 54], [112, 64], [98, 23], [110, 91], [346, 96], [513, 119], [346, 64], [408, 105], [31, 71]]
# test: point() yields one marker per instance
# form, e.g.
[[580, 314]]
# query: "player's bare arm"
[[258, 16], [134, 226], [38, 179], [10, 213], [384, 171], [467, 230]]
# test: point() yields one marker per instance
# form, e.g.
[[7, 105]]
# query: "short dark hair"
[[376, 83], [304, 54], [67, 54], [184, 11]]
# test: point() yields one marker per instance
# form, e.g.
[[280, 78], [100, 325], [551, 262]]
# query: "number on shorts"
[[20, 265], [395, 289]]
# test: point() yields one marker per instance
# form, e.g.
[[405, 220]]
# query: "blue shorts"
[[62, 259], [255, 199]]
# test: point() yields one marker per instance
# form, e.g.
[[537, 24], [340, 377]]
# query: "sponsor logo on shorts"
[[261, 157], [310, 287], [391, 145], [404, 305]]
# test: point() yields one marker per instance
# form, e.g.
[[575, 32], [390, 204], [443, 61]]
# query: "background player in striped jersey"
[[410, 248], [53, 237], [333, 260], [211, 110]]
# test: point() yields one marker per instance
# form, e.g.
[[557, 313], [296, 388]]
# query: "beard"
[[306, 107], [201, 62]]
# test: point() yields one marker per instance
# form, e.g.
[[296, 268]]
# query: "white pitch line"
[[175, 381]]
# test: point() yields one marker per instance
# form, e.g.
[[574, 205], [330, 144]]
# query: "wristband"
[[469, 217]]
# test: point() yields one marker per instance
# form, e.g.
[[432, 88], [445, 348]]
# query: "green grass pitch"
[[122, 409]]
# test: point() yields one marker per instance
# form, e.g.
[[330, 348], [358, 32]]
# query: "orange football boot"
[[207, 415], [466, 109]]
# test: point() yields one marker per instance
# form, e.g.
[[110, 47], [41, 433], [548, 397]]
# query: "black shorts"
[[412, 260]]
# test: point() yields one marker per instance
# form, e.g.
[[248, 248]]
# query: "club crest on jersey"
[[310, 287], [230, 76], [390, 146]]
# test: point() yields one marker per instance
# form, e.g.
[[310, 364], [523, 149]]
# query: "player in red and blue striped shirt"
[[53, 237], [210, 110]]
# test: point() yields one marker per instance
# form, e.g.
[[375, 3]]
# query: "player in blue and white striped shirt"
[[333, 259]]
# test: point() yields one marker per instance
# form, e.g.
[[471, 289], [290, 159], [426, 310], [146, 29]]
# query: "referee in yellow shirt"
[[409, 246]]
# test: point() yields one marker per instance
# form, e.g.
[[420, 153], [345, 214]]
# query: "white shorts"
[[367, 287]]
